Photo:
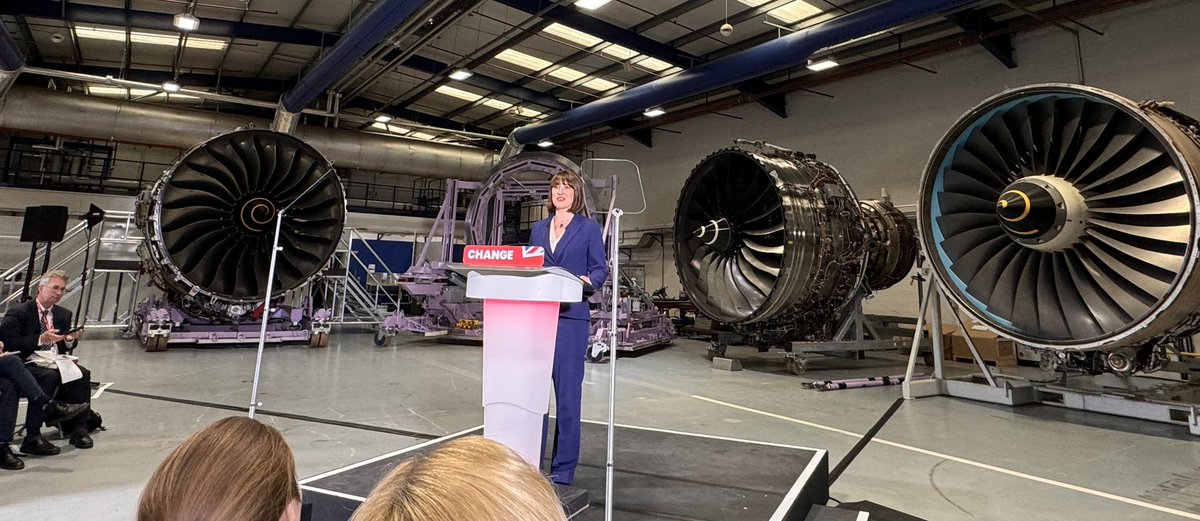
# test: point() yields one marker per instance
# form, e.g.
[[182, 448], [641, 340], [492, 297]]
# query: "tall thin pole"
[[83, 280], [614, 276], [29, 272], [266, 315]]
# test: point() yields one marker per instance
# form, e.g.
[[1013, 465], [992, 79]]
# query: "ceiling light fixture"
[[726, 28], [654, 112], [383, 118], [461, 74], [163, 39], [823, 64], [170, 86], [545, 143], [186, 22], [590, 5]]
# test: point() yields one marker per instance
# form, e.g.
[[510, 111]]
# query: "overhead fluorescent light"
[[619, 52], [533, 63], [515, 110], [186, 22], [521, 59], [118, 92], [653, 64], [567, 73], [823, 64], [545, 143], [590, 5], [572, 35], [167, 40], [790, 12], [654, 112], [488, 102], [457, 93], [407, 132], [600, 84], [382, 125], [461, 74], [112, 91], [499, 105], [170, 86], [383, 118]]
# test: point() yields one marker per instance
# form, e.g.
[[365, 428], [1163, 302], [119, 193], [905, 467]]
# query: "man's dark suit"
[[20, 329], [15, 382]]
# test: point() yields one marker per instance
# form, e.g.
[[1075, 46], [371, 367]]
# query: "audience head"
[[467, 479], [236, 469], [51, 287]]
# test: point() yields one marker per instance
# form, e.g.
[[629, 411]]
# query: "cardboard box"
[[994, 349]]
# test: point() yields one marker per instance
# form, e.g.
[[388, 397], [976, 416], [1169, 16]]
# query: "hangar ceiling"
[[527, 59]]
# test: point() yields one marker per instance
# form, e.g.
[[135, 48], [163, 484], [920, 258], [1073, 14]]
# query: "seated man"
[[42, 325], [15, 382]]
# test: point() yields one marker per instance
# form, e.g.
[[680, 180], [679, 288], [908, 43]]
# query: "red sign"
[[506, 256]]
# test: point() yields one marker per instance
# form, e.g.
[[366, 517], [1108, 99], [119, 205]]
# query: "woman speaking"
[[573, 242]]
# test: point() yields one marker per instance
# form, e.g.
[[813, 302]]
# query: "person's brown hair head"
[[236, 469], [467, 479], [572, 180]]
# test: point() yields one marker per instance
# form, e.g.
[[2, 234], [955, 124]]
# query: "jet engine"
[[775, 243], [209, 221], [1065, 217]]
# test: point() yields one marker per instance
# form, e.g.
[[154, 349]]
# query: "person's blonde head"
[[572, 180], [467, 479], [236, 469]]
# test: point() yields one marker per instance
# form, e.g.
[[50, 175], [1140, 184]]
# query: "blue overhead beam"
[[776, 55], [114, 16], [370, 29]]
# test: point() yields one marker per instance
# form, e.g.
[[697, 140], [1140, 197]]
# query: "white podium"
[[520, 323]]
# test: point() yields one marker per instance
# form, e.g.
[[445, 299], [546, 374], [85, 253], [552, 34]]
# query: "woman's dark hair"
[[572, 180]]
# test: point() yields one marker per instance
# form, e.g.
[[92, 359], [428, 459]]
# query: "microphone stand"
[[266, 315], [83, 278]]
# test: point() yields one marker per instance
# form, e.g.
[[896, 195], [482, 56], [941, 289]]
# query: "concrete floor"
[[937, 459]]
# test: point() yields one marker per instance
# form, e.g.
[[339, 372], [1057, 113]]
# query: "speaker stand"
[[29, 271]]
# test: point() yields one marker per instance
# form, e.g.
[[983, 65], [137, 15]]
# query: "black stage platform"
[[658, 475]]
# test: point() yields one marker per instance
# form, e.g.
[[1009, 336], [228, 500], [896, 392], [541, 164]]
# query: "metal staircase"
[[353, 301], [106, 254]]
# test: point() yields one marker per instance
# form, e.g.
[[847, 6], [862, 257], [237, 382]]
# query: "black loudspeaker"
[[44, 224]]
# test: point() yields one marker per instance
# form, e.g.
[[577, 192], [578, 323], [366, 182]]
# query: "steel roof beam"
[[629, 39], [609, 32], [93, 14], [490, 84], [226, 81], [765, 59]]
